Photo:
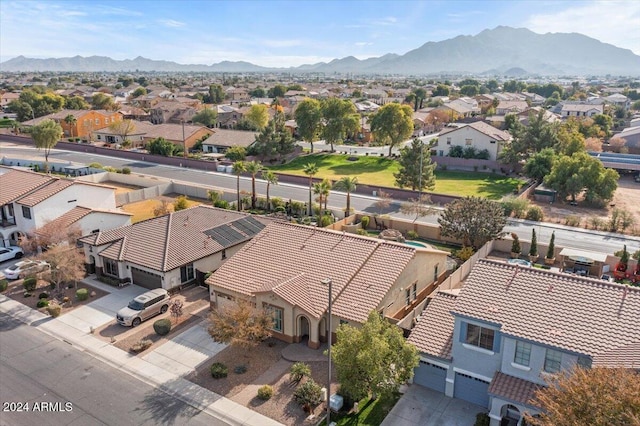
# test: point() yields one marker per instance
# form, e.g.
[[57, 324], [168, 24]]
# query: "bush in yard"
[[308, 394], [3, 285], [82, 294], [535, 213], [412, 235], [141, 345], [240, 369], [365, 222], [482, 419], [219, 370], [43, 295], [464, 253], [299, 370], [42, 303], [54, 310], [162, 327], [29, 283], [265, 392], [126, 171], [326, 220]]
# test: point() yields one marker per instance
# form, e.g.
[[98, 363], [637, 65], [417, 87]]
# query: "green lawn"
[[379, 171], [371, 412]]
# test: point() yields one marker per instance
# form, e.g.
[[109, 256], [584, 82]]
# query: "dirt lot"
[[121, 187], [143, 210], [16, 292]]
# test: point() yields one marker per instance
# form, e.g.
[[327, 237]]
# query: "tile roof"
[[167, 242], [584, 315], [74, 215], [627, 356], [16, 183], [39, 195], [513, 388], [292, 260], [172, 131], [433, 335], [484, 128], [224, 137]]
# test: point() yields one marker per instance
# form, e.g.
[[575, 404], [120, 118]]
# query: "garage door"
[[145, 279], [431, 376], [471, 389]]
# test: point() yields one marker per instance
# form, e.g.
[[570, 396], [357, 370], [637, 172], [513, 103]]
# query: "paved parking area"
[[420, 406]]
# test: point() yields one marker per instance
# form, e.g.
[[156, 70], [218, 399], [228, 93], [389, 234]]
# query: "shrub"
[[42, 303], [533, 251], [219, 370], [82, 294], [535, 213], [552, 246], [265, 392], [482, 419], [365, 222], [240, 369], [298, 371], [141, 345], [30, 283], [162, 327], [572, 220], [464, 253], [326, 220], [308, 394], [362, 232], [516, 206], [54, 310], [3, 285], [412, 235], [26, 294], [515, 245], [126, 171], [43, 295]]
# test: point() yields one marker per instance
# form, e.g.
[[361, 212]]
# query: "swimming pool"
[[417, 244]]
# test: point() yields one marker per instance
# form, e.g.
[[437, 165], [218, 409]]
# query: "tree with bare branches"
[[420, 207], [241, 324]]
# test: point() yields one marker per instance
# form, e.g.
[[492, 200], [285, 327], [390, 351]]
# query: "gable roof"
[[16, 183], [433, 335], [44, 192], [224, 137], [291, 260], [167, 242], [582, 315], [72, 216], [512, 388], [483, 128]]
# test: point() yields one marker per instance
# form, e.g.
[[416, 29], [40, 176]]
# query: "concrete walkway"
[[74, 332]]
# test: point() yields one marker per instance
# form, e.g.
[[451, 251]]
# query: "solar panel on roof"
[[249, 225], [225, 235]]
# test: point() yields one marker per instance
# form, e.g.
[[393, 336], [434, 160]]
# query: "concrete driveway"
[[420, 406]]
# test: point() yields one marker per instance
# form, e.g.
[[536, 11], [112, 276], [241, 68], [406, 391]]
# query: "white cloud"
[[171, 23], [611, 22], [389, 20], [363, 43]]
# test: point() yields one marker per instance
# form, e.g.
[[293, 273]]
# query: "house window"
[[186, 273], [468, 142], [224, 253], [111, 267], [552, 361], [492, 141], [480, 336], [278, 314], [584, 362], [523, 353], [97, 121], [448, 141], [26, 212], [106, 121], [411, 293], [435, 273]]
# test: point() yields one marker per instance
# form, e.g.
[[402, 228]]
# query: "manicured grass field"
[[379, 171], [371, 413]]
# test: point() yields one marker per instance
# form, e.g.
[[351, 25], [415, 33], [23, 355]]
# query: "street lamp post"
[[328, 282]]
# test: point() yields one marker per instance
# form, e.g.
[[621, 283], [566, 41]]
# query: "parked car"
[[143, 307], [24, 268], [11, 252]]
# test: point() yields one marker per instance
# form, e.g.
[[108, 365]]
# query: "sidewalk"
[[75, 333]]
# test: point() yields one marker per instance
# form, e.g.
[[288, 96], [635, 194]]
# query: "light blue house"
[[494, 341]]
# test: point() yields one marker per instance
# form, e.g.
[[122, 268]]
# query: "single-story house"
[[581, 110], [223, 139]]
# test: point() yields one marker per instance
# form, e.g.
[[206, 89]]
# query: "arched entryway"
[[303, 328], [510, 415], [15, 238]]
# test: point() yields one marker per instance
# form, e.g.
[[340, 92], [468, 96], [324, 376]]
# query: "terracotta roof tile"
[[513, 388], [433, 335], [44, 192], [627, 356], [583, 315], [17, 183]]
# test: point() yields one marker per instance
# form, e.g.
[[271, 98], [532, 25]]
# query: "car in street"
[[11, 252], [24, 268], [143, 307]]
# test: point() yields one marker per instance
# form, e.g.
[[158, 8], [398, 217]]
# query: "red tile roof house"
[[168, 251], [282, 270], [30, 200], [509, 328]]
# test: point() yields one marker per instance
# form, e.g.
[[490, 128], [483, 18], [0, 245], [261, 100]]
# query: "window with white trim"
[[523, 353], [552, 361], [26, 212], [110, 267], [480, 336], [186, 273], [278, 314]]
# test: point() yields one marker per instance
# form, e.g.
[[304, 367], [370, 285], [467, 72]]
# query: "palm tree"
[[71, 121], [253, 167], [271, 178], [325, 185], [310, 169], [238, 168], [348, 185]]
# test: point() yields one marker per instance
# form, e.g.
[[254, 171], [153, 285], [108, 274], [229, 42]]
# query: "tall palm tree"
[[253, 167], [71, 121], [310, 169], [325, 185], [271, 178], [348, 185], [238, 168]]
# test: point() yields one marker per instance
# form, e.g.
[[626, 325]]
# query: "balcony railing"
[[5, 223]]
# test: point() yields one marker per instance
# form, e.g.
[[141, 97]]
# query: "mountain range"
[[491, 52]]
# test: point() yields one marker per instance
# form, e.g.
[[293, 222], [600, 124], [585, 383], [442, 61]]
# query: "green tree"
[[275, 139], [23, 110], [102, 101], [238, 169], [46, 135], [236, 153], [420, 94], [469, 90], [71, 121], [257, 116], [373, 359], [605, 122], [392, 123], [277, 91], [161, 146], [271, 178], [207, 117], [535, 137], [253, 168], [539, 165], [347, 184], [258, 92], [181, 203], [492, 85], [322, 189], [139, 92], [216, 94], [341, 118], [441, 90], [569, 138], [310, 169], [308, 117], [76, 102], [416, 170], [473, 220], [589, 396]]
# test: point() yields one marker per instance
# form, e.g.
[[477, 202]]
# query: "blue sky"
[[271, 33]]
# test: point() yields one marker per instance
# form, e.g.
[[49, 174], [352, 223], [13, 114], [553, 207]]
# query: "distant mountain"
[[500, 51]]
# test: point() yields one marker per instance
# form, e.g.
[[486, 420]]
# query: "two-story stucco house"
[[509, 328], [283, 267], [479, 135]]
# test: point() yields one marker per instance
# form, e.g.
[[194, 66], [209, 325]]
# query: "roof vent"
[[550, 288]]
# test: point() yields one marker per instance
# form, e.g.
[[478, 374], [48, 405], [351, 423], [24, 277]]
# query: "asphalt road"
[[55, 384], [570, 237]]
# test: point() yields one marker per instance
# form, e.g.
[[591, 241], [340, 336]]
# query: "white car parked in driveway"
[[11, 252], [148, 304], [24, 268]]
